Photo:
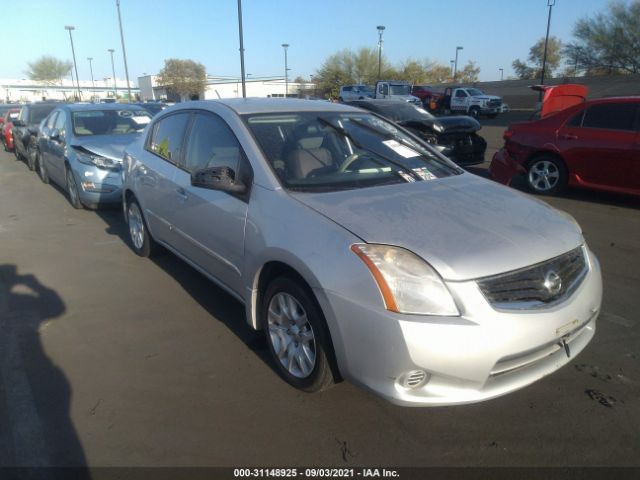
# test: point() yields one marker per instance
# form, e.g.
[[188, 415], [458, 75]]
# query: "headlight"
[[407, 283], [98, 161]]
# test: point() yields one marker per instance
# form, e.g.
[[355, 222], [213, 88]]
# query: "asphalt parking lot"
[[107, 359]]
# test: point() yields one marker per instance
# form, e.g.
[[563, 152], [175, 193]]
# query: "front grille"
[[495, 103], [537, 286]]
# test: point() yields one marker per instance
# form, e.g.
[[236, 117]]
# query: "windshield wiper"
[[359, 145]]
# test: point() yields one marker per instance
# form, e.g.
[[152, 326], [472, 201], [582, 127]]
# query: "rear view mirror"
[[217, 178]]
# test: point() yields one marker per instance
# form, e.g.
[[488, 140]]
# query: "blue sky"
[[492, 32]]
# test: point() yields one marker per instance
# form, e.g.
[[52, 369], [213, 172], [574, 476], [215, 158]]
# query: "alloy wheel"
[[543, 176], [291, 335], [136, 225]]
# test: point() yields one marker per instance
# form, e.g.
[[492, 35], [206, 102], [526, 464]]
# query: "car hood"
[[108, 146], [465, 226], [458, 124], [487, 97]]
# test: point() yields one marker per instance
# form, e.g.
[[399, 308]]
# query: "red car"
[[7, 128], [589, 144]]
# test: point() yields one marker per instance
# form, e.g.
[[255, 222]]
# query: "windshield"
[[109, 122], [474, 92], [325, 151], [399, 89], [37, 113]]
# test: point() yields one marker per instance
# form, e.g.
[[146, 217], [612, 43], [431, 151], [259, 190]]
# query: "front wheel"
[[546, 175], [42, 170], [492, 115], [474, 112], [72, 190], [297, 335]]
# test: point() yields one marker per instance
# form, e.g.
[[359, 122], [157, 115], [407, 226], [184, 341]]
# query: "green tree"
[[608, 42], [533, 69], [48, 69], [469, 73], [184, 77]]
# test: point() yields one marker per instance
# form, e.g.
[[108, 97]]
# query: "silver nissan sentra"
[[360, 251]]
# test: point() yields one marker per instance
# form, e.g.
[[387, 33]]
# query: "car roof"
[[79, 107], [243, 106]]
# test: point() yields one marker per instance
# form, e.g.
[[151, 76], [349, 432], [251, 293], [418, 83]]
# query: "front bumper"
[[98, 186], [482, 354]]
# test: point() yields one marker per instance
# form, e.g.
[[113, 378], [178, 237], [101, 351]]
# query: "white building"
[[227, 87], [24, 90]]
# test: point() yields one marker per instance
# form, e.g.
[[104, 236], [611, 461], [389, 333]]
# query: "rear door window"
[[167, 136], [610, 116]]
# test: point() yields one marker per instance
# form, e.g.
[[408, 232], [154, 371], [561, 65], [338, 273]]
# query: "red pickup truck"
[[427, 95]]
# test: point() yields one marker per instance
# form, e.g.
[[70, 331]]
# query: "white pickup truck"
[[471, 101]]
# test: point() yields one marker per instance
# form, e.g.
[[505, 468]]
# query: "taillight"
[[507, 134]]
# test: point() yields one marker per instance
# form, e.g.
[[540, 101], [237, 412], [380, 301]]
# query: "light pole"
[[455, 65], [380, 32], [113, 69], [73, 52], [452, 62], [93, 84], [501, 73], [244, 89], [550, 4], [286, 71], [124, 52]]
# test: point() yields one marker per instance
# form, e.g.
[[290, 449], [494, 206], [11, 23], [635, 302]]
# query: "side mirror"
[[217, 178], [55, 135]]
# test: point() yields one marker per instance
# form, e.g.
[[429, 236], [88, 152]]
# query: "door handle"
[[567, 136], [181, 193]]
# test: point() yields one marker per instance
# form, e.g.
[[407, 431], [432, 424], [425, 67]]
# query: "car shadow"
[[578, 194], [35, 396], [218, 303]]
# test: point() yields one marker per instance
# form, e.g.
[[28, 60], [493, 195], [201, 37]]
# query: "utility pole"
[[550, 4], [113, 69], [381, 29], [242, 75], [455, 66], [124, 52], [73, 52], [286, 71]]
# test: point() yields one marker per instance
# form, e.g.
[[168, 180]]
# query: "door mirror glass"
[[217, 178], [55, 134]]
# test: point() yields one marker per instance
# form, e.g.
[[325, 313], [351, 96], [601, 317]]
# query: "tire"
[[16, 152], [42, 170], [140, 240], [546, 175], [474, 112], [340, 99], [72, 190], [296, 334], [31, 161], [492, 115]]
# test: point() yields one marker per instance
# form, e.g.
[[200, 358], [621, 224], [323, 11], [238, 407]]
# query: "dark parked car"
[[25, 130], [588, 144], [81, 148], [456, 137], [152, 107]]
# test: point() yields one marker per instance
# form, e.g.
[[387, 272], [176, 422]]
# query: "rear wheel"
[[141, 240], [546, 175], [296, 334]]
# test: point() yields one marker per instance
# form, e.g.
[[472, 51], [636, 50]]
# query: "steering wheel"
[[348, 161]]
